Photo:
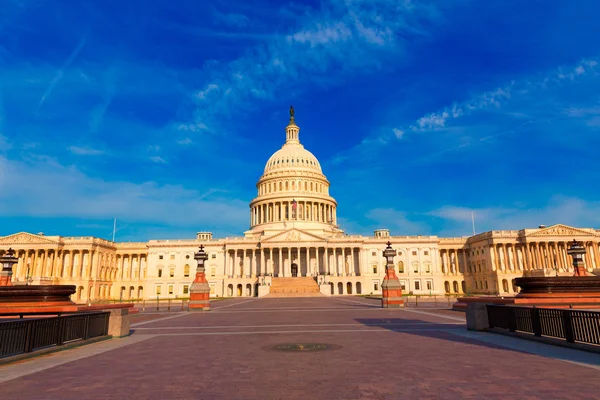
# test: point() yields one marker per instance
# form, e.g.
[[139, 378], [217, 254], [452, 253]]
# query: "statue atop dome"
[[291, 112]]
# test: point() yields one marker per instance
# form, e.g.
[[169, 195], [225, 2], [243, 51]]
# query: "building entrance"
[[294, 270]]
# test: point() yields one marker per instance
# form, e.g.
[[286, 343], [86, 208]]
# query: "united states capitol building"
[[294, 243]]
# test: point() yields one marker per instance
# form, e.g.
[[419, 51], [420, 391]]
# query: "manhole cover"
[[303, 347]]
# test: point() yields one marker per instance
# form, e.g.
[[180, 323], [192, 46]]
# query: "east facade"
[[293, 233]]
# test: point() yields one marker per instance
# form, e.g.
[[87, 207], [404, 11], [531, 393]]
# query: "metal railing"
[[571, 325], [30, 334]]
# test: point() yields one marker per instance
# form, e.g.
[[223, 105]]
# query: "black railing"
[[571, 325], [30, 334]]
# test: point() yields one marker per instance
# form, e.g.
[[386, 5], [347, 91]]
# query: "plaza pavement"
[[385, 354]]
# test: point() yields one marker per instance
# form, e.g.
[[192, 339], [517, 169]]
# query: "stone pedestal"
[[200, 294], [477, 317], [391, 293], [119, 323], [325, 289], [264, 290]]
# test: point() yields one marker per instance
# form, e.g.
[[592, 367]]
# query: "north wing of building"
[[294, 238]]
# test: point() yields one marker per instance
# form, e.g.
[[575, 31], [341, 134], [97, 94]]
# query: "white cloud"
[[158, 160], [185, 142], [85, 151], [45, 188], [348, 37], [398, 133], [231, 19], [495, 98], [559, 210]]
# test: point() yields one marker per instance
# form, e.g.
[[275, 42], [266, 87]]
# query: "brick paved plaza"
[[415, 353]]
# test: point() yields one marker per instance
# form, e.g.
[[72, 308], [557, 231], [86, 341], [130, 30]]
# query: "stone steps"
[[294, 287]]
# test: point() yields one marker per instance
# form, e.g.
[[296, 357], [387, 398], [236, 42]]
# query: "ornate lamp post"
[[200, 290], [576, 250], [7, 261], [391, 288]]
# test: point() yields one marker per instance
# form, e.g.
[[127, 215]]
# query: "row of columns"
[[453, 261], [310, 261], [312, 211], [540, 255], [50, 264], [309, 186]]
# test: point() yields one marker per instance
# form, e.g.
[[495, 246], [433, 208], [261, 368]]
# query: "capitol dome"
[[292, 156], [292, 188]]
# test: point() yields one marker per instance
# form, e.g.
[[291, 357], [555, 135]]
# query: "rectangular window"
[[212, 289], [376, 285], [414, 253], [400, 267], [172, 272], [374, 268], [186, 289], [426, 253], [170, 289], [416, 268], [158, 289], [160, 273], [213, 271], [429, 286], [186, 271], [160, 257], [427, 268], [417, 285], [374, 254], [403, 285], [213, 256], [172, 256]]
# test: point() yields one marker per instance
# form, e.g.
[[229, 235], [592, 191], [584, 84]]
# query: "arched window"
[[305, 185], [280, 186], [455, 286], [447, 286], [186, 270], [401, 267], [287, 185], [311, 186], [293, 185], [505, 285]]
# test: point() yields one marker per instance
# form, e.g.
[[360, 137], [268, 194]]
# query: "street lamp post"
[[576, 250], [200, 289], [7, 261], [391, 288]]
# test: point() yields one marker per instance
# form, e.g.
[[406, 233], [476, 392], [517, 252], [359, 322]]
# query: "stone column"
[[280, 266], [352, 266]]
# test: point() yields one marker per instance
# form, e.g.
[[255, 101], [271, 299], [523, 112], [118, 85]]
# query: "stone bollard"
[[477, 317], [119, 322]]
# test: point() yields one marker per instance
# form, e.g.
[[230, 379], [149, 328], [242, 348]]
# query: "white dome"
[[292, 156]]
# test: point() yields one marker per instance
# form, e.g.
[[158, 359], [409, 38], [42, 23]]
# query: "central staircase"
[[294, 287]]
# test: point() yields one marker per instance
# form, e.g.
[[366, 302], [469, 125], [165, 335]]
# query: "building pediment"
[[293, 235], [27, 239], [562, 230]]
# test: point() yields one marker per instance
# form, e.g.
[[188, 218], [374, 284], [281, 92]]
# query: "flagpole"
[[114, 229], [473, 221]]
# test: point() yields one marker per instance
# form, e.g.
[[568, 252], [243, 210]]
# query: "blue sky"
[[162, 114]]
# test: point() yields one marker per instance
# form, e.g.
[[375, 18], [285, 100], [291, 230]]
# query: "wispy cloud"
[[61, 71], [234, 20], [559, 209], [85, 151], [351, 38], [43, 187], [496, 97], [158, 160]]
